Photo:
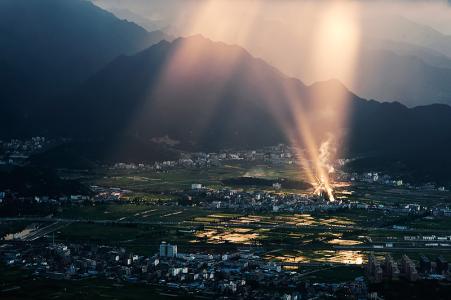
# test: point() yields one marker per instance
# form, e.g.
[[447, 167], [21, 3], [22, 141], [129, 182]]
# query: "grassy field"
[[162, 213], [132, 212], [148, 184], [314, 235], [312, 239], [434, 223], [148, 181], [207, 231], [142, 239], [389, 195]]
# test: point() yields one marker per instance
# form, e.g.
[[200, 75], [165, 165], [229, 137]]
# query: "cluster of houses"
[[378, 178], [16, 152], [273, 201], [280, 154], [243, 273], [259, 200], [108, 193]]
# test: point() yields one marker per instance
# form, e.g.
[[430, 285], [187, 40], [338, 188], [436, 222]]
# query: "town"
[[242, 274], [245, 229]]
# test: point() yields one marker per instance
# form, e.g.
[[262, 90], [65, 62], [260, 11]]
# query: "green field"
[[434, 223], [389, 195], [140, 227], [199, 229], [149, 181]]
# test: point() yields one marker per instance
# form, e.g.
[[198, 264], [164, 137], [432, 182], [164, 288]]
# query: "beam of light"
[[334, 53], [224, 20], [312, 122], [334, 37], [211, 19]]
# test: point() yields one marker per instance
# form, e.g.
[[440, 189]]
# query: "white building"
[[168, 250], [172, 250], [196, 186], [163, 249]]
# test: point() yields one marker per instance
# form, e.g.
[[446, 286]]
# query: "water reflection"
[[243, 236], [323, 256], [341, 256], [308, 220]]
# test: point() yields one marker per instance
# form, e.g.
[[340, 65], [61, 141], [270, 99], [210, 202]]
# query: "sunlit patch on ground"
[[288, 258], [344, 257], [308, 220], [340, 242], [249, 219], [323, 256], [338, 221], [299, 220], [243, 236]]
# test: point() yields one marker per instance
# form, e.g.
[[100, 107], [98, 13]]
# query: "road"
[[39, 232], [220, 224], [42, 231], [390, 249]]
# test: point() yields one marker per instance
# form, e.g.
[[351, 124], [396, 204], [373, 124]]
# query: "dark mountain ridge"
[[48, 47], [223, 97]]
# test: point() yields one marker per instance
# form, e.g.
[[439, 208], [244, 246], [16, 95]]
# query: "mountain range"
[[395, 59], [223, 97], [197, 93]]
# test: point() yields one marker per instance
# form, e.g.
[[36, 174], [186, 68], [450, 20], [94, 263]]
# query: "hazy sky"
[[434, 13]]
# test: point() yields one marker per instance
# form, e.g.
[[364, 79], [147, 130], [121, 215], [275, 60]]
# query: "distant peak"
[[195, 36], [331, 82]]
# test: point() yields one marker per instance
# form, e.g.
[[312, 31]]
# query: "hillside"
[[224, 97], [48, 47]]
